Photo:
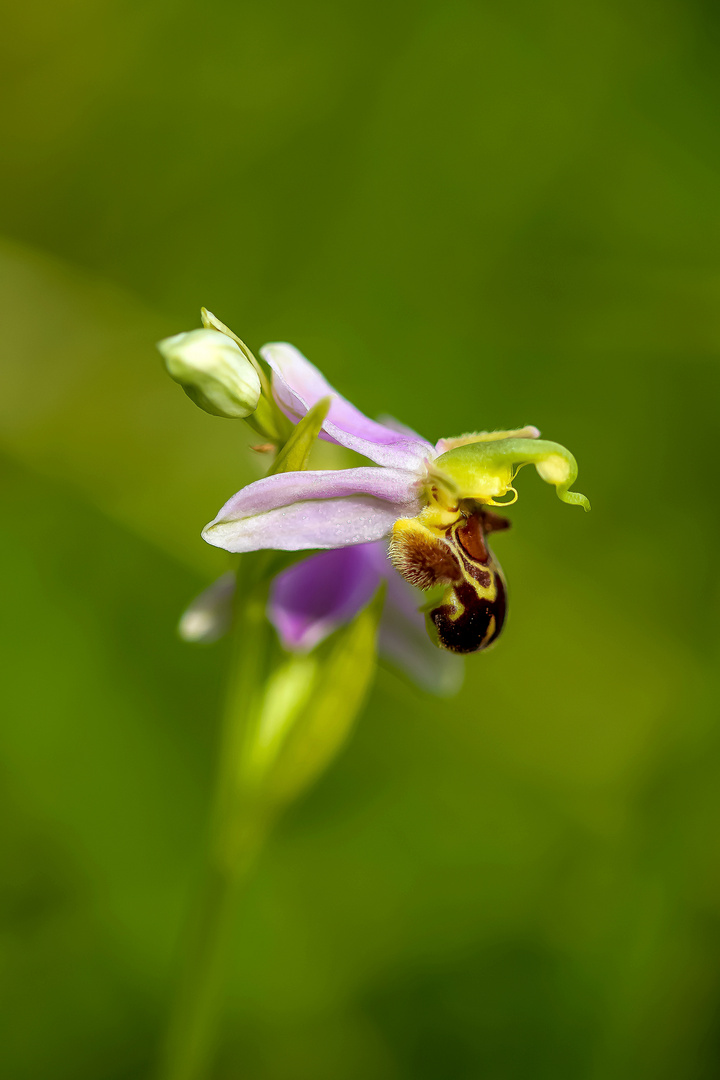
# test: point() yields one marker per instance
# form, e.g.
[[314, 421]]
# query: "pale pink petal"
[[298, 385], [314, 597], [314, 509]]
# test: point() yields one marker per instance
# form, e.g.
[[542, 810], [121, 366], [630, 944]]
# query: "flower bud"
[[213, 371]]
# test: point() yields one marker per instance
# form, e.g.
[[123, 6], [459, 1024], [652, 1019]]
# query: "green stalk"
[[242, 809], [237, 832]]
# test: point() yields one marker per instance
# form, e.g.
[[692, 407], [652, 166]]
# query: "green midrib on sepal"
[[295, 453]]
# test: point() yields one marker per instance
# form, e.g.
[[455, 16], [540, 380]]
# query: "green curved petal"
[[485, 470]]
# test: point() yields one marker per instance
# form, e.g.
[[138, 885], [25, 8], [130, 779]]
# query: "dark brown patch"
[[470, 536], [493, 522], [467, 632], [476, 572]]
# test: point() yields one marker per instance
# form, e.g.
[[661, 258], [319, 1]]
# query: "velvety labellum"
[[471, 610]]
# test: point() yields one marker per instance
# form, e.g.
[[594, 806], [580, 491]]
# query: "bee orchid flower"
[[432, 502]]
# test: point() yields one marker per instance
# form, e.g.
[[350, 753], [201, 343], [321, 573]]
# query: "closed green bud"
[[213, 371]]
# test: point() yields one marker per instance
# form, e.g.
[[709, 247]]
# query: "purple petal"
[[314, 509], [404, 641], [298, 385], [316, 596]]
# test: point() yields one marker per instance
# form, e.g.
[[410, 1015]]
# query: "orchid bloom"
[[431, 501]]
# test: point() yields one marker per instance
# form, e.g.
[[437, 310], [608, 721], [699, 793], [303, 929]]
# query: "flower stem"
[[236, 834]]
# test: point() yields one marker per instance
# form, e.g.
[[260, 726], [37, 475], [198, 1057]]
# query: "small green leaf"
[[295, 453], [286, 694], [328, 690]]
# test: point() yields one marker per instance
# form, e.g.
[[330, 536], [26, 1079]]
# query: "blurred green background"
[[469, 215]]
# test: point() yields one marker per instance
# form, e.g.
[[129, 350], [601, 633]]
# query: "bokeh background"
[[469, 215]]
